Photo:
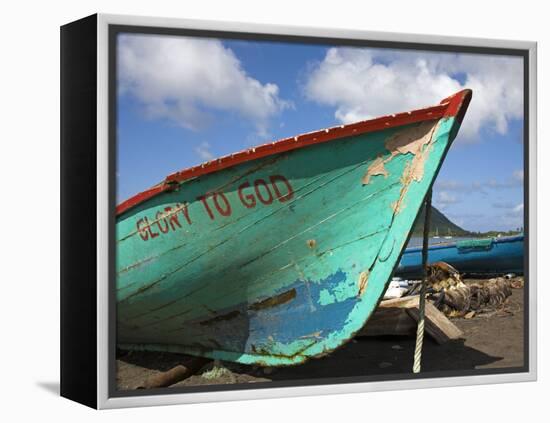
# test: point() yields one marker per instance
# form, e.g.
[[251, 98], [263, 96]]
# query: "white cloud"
[[365, 83], [512, 183], [179, 78], [450, 185], [517, 210], [518, 175], [444, 198], [499, 184], [503, 205], [514, 216], [203, 151]]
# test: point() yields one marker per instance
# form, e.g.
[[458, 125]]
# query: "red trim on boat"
[[454, 105], [458, 104]]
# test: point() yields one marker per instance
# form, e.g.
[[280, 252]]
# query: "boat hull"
[[485, 258], [278, 259]]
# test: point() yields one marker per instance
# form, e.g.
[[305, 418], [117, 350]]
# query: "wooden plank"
[[175, 374], [437, 325], [399, 316], [389, 321], [403, 302]]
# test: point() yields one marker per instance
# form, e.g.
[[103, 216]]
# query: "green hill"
[[439, 222]]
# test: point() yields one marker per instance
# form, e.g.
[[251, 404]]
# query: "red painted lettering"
[[289, 191], [214, 203], [226, 209], [142, 229], [185, 211], [203, 198], [248, 200], [257, 184], [172, 218], [151, 233], [161, 222]]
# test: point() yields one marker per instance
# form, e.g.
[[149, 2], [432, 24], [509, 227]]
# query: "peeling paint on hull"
[[278, 259]]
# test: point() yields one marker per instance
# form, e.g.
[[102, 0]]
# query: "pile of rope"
[[455, 298]]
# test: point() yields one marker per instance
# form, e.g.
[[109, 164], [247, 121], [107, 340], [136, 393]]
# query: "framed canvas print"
[[254, 211]]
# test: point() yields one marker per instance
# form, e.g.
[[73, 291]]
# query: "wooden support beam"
[[399, 316], [389, 321], [175, 374], [437, 325]]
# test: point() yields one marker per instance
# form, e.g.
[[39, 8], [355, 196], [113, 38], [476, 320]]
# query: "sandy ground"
[[493, 339]]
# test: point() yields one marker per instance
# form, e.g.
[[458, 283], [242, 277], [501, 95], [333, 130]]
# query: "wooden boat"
[[492, 256], [280, 252]]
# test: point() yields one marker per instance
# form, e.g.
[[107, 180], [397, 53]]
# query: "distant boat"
[[436, 236], [281, 252], [491, 256], [448, 236]]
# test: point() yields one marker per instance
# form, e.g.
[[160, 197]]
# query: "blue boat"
[[482, 257], [281, 252]]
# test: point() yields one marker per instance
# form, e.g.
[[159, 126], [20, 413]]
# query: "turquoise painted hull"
[[488, 257], [278, 259]]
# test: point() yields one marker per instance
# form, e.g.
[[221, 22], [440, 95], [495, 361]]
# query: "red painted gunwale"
[[453, 106]]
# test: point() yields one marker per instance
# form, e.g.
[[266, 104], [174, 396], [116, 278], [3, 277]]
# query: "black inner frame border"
[[115, 29]]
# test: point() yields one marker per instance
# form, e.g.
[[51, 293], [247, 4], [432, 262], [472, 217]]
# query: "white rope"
[[420, 329], [422, 300]]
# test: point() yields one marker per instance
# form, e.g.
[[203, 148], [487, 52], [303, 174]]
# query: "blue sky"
[[184, 100]]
